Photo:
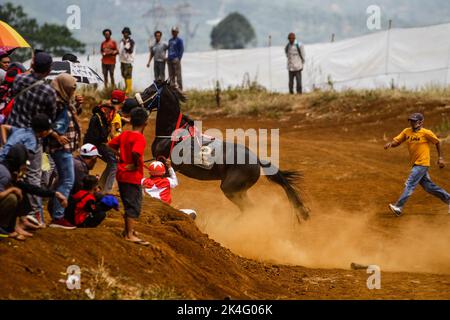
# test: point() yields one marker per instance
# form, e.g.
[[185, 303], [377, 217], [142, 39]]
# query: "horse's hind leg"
[[240, 199], [235, 189]]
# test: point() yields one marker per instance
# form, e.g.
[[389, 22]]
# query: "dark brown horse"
[[235, 178]]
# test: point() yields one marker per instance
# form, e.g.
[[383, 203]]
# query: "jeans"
[[159, 68], [33, 176], [298, 78], [66, 177], [108, 177], [420, 175], [175, 73]]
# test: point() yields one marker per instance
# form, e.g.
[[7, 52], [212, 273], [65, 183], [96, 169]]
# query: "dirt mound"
[[336, 141]]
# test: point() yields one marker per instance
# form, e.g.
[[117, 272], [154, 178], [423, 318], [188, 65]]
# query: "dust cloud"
[[332, 238]]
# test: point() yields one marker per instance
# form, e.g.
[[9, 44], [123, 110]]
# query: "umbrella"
[[6, 51], [9, 37], [82, 73]]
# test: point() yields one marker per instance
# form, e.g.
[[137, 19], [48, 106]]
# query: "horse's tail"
[[288, 180]]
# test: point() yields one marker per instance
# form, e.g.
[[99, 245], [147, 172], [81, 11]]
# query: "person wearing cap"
[[109, 52], [175, 54], [158, 52], [127, 51], [295, 54], [84, 163], [98, 134], [418, 140], [6, 98], [117, 99], [32, 96]]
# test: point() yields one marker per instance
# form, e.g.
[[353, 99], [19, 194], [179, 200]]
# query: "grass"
[[252, 100]]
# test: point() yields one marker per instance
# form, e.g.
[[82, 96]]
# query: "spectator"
[[295, 54], [33, 96], [117, 99], [98, 134], [109, 52], [130, 146], [127, 50], [29, 137], [6, 98], [87, 208], [67, 125], [5, 60], [12, 188], [176, 50], [158, 52], [84, 163]]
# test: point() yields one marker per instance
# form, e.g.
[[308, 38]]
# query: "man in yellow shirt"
[[418, 140]]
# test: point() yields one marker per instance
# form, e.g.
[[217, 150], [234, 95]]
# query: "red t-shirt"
[[107, 47], [127, 143]]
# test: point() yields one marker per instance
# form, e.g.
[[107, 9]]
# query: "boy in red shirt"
[[130, 146]]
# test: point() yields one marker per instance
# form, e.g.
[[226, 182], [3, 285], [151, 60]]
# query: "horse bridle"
[[155, 97]]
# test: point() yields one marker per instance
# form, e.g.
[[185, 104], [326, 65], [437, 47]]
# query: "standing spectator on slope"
[[32, 96], [130, 146], [109, 52], [176, 50], [127, 50], [66, 124], [98, 134], [295, 54], [158, 53]]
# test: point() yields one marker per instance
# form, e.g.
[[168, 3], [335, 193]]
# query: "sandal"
[[139, 241]]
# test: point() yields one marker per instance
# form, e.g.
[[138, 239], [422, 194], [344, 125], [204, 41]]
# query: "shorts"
[[131, 195], [127, 70]]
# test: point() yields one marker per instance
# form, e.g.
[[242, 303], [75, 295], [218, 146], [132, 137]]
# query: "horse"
[[235, 178]]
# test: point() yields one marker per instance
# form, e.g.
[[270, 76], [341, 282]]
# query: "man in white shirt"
[[295, 54], [127, 51]]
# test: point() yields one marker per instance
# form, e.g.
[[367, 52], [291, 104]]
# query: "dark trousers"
[[159, 67], [175, 73], [108, 69], [298, 78], [108, 176], [93, 220]]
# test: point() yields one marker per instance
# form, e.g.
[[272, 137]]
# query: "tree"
[[233, 32], [53, 38]]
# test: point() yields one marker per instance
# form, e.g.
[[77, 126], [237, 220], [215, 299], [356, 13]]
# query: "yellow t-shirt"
[[418, 145], [116, 126]]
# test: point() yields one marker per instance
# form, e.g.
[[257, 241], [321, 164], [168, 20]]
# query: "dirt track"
[[349, 180]]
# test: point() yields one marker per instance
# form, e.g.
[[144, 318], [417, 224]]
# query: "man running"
[[418, 139]]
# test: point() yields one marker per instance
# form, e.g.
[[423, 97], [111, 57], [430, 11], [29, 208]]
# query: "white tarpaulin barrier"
[[410, 58]]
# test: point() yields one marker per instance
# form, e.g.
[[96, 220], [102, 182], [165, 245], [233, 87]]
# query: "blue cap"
[[110, 202]]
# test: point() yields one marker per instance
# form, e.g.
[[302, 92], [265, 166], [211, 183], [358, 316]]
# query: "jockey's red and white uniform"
[[159, 187]]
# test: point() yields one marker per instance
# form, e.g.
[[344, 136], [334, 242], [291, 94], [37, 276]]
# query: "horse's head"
[[150, 98]]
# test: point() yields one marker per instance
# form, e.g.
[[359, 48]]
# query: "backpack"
[[298, 49], [75, 212]]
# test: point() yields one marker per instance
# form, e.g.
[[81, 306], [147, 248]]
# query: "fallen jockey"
[[162, 179]]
